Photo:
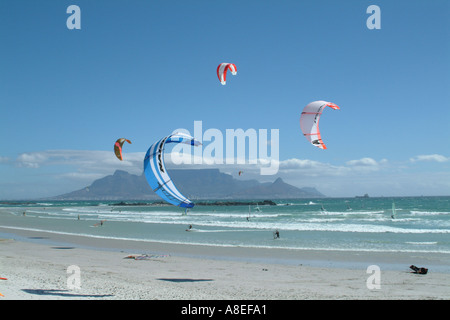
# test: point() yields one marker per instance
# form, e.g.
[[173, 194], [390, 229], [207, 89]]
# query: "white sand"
[[39, 271]]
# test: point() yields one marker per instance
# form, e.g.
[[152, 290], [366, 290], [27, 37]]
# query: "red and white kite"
[[222, 71]]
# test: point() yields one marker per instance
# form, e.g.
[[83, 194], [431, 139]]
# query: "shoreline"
[[36, 264], [348, 259]]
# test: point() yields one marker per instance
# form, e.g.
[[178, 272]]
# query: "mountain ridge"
[[193, 183]]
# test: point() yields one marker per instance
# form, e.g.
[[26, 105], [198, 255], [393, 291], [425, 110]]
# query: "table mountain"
[[193, 183]]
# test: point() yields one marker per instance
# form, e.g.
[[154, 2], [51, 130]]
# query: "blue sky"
[[140, 69]]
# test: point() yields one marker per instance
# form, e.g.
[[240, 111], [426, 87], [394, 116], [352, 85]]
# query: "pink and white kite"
[[309, 121]]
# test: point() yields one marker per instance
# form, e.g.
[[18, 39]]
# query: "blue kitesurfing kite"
[[156, 173]]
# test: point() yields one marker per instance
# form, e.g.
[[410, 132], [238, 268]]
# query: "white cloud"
[[74, 169], [311, 168], [364, 162], [83, 161], [430, 157], [290, 167], [300, 164], [31, 159]]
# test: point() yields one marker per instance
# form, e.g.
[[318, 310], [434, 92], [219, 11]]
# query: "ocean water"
[[421, 224]]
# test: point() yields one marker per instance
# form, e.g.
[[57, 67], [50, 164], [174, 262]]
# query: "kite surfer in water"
[[99, 224], [276, 234]]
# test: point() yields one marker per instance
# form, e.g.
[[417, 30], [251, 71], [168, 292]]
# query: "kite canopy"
[[309, 121], [222, 70], [156, 173], [118, 147]]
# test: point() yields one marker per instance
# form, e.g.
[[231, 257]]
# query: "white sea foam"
[[232, 245], [302, 224], [374, 221], [422, 243], [429, 213]]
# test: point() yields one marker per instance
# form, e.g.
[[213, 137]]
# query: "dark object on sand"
[[419, 270]]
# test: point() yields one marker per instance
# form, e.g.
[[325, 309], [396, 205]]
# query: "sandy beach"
[[36, 265]]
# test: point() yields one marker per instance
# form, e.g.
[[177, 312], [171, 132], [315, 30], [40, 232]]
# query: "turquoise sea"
[[421, 224]]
